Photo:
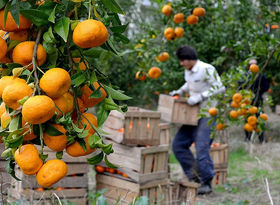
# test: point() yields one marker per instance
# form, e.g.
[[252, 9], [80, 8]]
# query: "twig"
[[57, 198], [1, 185], [268, 192]]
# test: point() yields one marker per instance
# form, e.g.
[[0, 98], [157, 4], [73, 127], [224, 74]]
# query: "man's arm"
[[180, 91]]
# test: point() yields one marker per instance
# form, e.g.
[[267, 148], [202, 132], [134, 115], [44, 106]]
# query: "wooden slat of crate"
[[141, 164], [177, 110], [219, 156], [76, 201], [137, 126], [127, 191], [220, 177], [164, 133]]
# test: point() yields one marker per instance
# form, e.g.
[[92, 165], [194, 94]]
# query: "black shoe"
[[204, 189], [195, 179]]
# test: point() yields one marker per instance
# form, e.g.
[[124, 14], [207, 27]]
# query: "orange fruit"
[[64, 104], [38, 109], [51, 172], [247, 101], [169, 33], [235, 104], [274, 27], [179, 18], [75, 149], [4, 48], [111, 170], [179, 32], [233, 114], [264, 116], [252, 120], [5, 119], [28, 159], [2, 108], [14, 92], [8, 80], [192, 19], [253, 110], [11, 25], [86, 92], [166, 10], [29, 133], [55, 82], [22, 54], [90, 33], [81, 105], [19, 35], [99, 169], [162, 57], [248, 127], [254, 68], [220, 126], [237, 97], [154, 72], [213, 111], [56, 143], [125, 175], [69, 101], [141, 75], [82, 65], [199, 12], [4, 34]]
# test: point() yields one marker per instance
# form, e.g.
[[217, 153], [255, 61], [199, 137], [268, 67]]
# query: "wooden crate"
[[220, 177], [177, 110], [73, 187], [141, 164], [137, 126], [164, 133], [183, 192], [5, 177], [126, 191]]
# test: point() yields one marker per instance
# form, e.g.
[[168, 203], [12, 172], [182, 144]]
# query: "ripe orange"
[[86, 92], [99, 169], [169, 33], [162, 57], [65, 104], [51, 172], [11, 25], [69, 101], [81, 105], [30, 134], [179, 32], [56, 143], [55, 82], [19, 35], [235, 104], [8, 80], [213, 111], [254, 68], [220, 126], [82, 65], [233, 114], [248, 127], [237, 97], [111, 170], [27, 158], [38, 109], [4, 48], [247, 101], [166, 10], [192, 19], [179, 18], [274, 27], [154, 72], [199, 12], [4, 34], [90, 33], [5, 119], [141, 75], [252, 120], [14, 92], [125, 175], [253, 110], [22, 54], [264, 116]]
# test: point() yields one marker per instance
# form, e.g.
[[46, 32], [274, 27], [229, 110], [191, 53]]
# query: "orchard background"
[[227, 36]]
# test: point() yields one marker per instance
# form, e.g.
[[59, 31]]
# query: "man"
[[259, 87], [202, 81]]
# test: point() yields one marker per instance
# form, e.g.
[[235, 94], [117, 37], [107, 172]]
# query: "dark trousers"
[[200, 135]]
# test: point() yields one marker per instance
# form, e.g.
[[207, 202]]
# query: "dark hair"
[[186, 53]]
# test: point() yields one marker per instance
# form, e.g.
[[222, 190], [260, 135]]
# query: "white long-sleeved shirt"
[[203, 80]]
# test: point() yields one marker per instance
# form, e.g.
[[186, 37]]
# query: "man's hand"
[[194, 99], [174, 92]]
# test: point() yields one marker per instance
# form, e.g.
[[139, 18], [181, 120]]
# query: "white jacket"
[[202, 81]]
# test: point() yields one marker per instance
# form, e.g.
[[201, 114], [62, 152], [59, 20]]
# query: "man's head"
[[252, 61], [187, 56]]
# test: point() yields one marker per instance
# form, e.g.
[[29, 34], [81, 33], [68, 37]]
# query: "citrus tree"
[[51, 57]]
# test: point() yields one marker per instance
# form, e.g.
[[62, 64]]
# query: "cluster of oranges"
[[171, 33], [48, 98], [101, 169]]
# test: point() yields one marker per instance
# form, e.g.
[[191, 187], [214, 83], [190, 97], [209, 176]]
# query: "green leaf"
[[11, 169], [84, 134], [76, 129], [119, 29], [122, 38], [93, 139], [7, 8], [82, 143], [102, 114], [52, 131], [115, 94], [108, 45], [93, 77], [93, 53], [52, 16], [96, 159], [96, 94], [3, 3], [48, 36], [62, 27], [43, 156], [113, 6], [15, 142], [39, 18], [59, 155], [109, 164], [14, 124], [15, 11], [108, 149], [52, 58], [78, 79], [13, 44]]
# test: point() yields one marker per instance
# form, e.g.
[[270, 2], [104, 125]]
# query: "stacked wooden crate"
[[72, 188], [5, 178], [141, 150]]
